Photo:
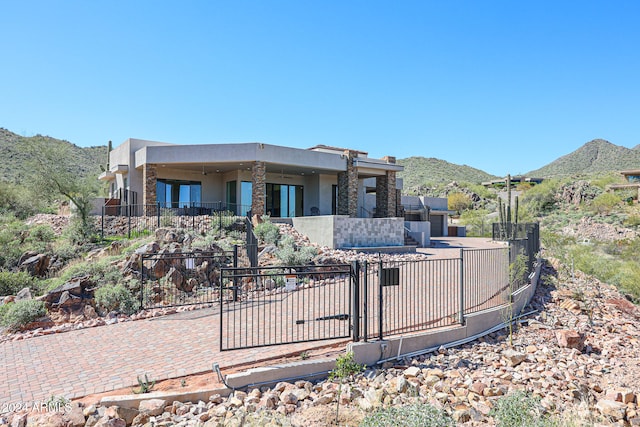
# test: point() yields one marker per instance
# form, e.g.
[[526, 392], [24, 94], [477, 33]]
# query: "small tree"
[[52, 175], [345, 368], [459, 202]]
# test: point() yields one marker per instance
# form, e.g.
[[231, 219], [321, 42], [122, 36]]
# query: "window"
[[246, 197], [177, 194], [284, 201]]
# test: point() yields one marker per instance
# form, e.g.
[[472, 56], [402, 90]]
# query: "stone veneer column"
[[258, 188], [149, 179], [348, 187], [386, 195]]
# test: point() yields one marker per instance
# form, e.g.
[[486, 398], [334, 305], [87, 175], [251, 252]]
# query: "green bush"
[[289, 254], [605, 202], [519, 409], [42, 233], [540, 199], [20, 313], [416, 415], [16, 200], [116, 298], [477, 223], [267, 232], [12, 282]]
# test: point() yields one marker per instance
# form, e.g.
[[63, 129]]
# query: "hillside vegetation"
[[14, 166], [593, 157], [419, 171]]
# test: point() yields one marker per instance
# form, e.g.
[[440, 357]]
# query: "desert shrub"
[[289, 254], [12, 235], [20, 313], [101, 271], [604, 203], [81, 231], [540, 199], [116, 298], [12, 282], [603, 181], [519, 409], [459, 202], [267, 232], [416, 415], [16, 200], [632, 221], [477, 223]]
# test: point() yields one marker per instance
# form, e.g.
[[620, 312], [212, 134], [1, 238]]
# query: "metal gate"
[[264, 306]]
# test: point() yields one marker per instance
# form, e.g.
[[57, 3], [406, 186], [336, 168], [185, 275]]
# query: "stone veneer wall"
[[368, 232], [343, 232], [258, 189]]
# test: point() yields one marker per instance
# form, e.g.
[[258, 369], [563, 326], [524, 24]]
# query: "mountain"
[[14, 163], [421, 170], [594, 156]]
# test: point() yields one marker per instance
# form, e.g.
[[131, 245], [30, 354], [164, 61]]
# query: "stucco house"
[[338, 197], [263, 178]]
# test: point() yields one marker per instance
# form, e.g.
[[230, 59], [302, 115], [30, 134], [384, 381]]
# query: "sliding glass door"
[[284, 201]]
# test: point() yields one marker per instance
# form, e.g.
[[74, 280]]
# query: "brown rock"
[[570, 339], [152, 406], [611, 408]]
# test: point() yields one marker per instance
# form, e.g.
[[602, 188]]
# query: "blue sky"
[[503, 86]]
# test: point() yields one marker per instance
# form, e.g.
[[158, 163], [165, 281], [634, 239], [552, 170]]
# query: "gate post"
[[102, 226], [235, 278], [461, 314], [355, 282], [366, 301], [380, 300]]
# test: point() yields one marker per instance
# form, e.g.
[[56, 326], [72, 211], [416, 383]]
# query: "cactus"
[[508, 228]]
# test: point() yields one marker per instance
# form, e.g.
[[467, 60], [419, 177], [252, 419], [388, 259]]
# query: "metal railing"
[[135, 220], [397, 297], [261, 306], [169, 280]]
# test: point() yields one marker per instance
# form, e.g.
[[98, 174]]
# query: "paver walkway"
[[94, 360], [104, 358]]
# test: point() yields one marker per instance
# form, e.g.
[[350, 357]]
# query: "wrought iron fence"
[[261, 306], [265, 306], [174, 279], [397, 297], [136, 220]]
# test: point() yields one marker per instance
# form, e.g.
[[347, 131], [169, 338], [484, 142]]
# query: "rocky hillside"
[[595, 156], [15, 162], [419, 171]]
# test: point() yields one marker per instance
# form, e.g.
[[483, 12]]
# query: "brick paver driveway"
[[94, 360]]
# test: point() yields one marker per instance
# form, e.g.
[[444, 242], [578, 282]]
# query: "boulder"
[[23, 294], [71, 294], [152, 407], [36, 265], [570, 339], [612, 408]]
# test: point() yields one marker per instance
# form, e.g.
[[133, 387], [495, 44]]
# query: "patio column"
[[258, 188], [386, 194], [348, 187], [149, 178]]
